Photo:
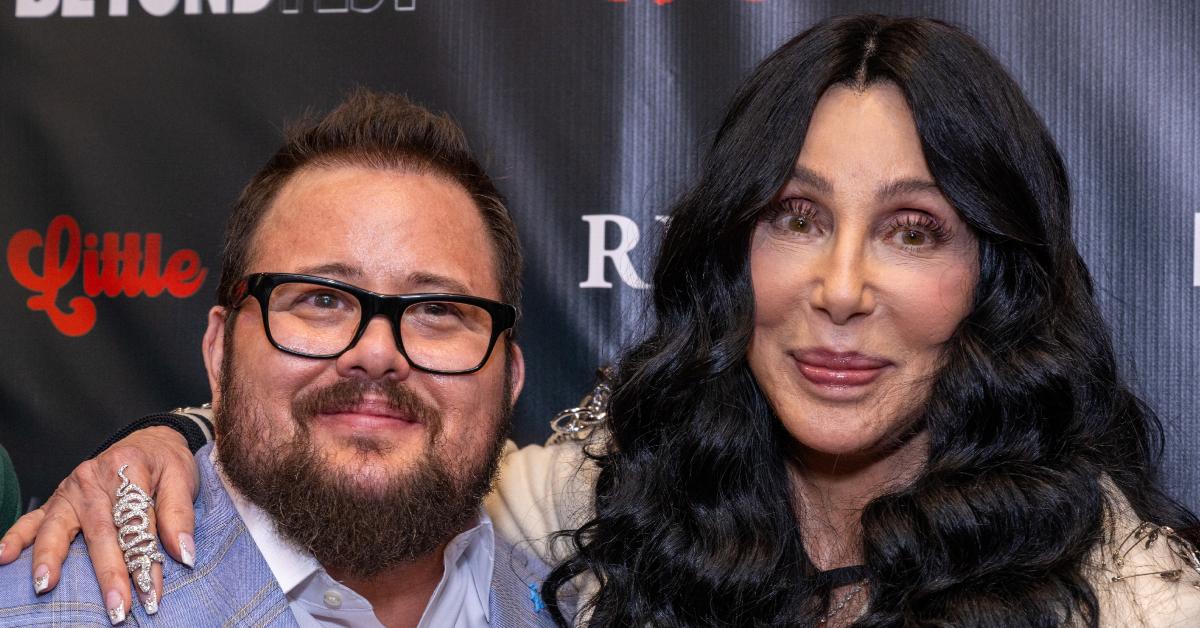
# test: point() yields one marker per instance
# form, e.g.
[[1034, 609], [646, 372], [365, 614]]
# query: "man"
[[363, 375]]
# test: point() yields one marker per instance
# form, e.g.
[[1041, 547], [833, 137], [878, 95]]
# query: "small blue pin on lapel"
[[536, 598]]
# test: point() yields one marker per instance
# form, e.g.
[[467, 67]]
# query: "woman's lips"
[[840, 369]]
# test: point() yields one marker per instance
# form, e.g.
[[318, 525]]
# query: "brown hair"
[[381, 131]]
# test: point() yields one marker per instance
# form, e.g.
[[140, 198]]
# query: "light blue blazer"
[[231, 584]]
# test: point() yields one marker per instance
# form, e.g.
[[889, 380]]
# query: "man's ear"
[[213, 347], [516, 366]]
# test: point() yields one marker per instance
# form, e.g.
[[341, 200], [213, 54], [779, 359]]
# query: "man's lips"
[[835, 368], [370, 413]]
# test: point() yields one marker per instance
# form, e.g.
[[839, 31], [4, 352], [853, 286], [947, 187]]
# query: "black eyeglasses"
[[316, 317]]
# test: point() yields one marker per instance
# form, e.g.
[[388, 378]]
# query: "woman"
[[878, 390]]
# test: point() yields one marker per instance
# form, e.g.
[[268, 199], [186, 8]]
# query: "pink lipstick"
[[840, 369]]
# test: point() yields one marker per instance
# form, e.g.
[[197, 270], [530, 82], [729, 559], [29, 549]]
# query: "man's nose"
[[376, 355]]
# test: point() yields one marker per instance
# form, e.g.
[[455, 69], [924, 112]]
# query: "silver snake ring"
[[140, 547]]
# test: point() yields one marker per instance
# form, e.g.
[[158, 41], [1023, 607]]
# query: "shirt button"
[[332, 599]]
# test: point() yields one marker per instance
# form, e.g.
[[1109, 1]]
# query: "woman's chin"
[[848, 450], [834, 436]]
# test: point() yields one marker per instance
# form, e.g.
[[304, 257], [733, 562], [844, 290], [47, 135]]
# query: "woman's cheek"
[[779, 273], [931, 304]]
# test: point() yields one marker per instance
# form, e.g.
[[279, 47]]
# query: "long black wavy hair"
[[696, 519]]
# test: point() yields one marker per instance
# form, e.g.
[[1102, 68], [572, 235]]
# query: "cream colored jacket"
[[545, 489]]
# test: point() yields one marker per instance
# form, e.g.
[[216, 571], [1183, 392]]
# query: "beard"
[[357, 521]]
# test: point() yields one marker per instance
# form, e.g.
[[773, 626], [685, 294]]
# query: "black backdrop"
[[147, 116]]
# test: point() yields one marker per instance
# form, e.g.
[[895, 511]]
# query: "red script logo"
[[112, 267]]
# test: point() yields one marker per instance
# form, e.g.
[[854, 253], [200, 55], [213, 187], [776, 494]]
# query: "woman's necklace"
[[837, 608]]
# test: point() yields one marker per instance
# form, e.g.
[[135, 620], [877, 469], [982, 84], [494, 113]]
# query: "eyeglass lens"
[[321, 320]]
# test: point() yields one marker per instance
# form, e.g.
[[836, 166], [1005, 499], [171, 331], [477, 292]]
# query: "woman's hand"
[[160, 462]]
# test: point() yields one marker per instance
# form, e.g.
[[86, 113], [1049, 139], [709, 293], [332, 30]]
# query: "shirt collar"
[[475, 551], [291, 565]]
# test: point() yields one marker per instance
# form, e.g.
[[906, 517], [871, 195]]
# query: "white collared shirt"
[[316, 599]]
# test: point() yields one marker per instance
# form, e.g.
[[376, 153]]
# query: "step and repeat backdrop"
[[127, 128]]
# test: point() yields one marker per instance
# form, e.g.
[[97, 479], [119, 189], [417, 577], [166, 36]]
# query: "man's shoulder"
[[226, 585], [75, 601], [230, 582]]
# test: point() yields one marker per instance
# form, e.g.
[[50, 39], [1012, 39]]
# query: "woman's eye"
[[797, 224], [913, 237], [916, 232], [795, 217]]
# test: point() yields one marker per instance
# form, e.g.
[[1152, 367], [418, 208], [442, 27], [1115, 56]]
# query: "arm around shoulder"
[[542, 490]]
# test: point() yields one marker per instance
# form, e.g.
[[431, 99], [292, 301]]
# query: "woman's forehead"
[[863, 138]]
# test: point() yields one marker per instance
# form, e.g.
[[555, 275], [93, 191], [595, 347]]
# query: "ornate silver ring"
[[140, 547]]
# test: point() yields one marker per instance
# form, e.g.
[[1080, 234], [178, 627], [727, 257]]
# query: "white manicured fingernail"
[[41, 579], [149, 601], [116, 607], [187, 549]]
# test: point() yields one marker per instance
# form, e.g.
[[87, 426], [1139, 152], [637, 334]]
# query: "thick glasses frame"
[[391, 306]]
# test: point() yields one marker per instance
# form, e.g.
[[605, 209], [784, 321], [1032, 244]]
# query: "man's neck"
[[398, 595]]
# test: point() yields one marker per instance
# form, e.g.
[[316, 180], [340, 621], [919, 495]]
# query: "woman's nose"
[[843, 287]]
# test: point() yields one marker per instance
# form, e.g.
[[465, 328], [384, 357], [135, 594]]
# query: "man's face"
[[366, 424]]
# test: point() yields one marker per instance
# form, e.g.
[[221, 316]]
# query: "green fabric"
[[10, 492]]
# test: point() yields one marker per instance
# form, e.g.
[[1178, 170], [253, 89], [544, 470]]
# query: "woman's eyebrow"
[[906, 186], [807, 177]]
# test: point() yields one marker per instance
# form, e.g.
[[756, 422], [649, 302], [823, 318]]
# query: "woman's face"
[[860, 274]]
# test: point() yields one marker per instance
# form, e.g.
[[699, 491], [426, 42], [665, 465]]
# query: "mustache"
[[350, 392]]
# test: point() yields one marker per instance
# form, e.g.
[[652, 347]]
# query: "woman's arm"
[[159, 460], [544, 490], [541, 491]]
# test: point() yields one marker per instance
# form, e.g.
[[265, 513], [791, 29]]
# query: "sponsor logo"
[[113, 264], [162, 8], [600, 256]]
